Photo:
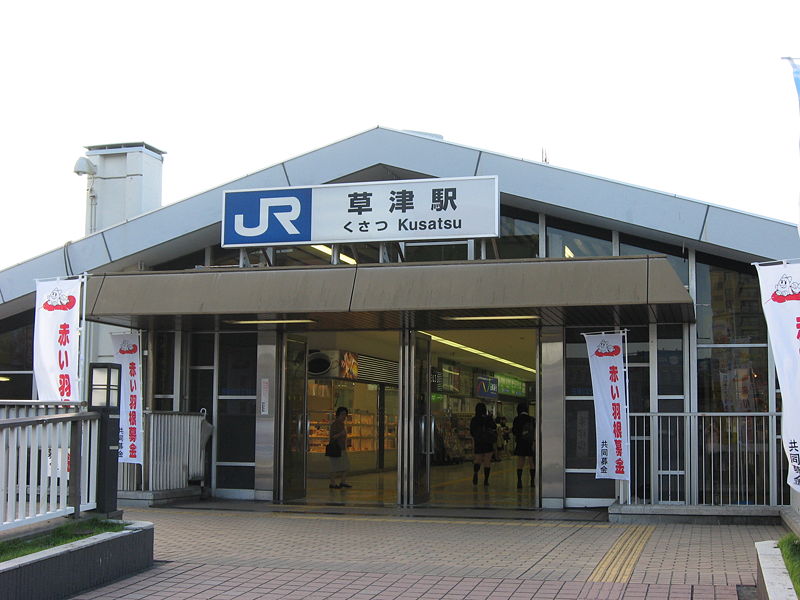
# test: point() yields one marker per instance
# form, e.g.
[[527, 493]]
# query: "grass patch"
[[60, 535], [790, 548]]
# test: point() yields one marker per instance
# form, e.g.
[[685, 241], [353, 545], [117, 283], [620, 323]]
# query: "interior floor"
[[451, 485]]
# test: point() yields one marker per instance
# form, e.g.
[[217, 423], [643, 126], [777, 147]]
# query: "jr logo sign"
[[263, 217]]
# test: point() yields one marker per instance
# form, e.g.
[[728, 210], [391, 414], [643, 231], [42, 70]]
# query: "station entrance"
[[410, 397]]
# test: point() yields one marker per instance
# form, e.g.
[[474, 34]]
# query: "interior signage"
[[381, 211], [486, 387]]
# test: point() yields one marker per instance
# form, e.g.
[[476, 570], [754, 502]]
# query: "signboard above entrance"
[[382, 211]]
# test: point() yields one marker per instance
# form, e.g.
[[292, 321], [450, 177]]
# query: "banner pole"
[[627, 411], [82, 384]]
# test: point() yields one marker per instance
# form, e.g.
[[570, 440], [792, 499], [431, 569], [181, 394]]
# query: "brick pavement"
[[270, 555]]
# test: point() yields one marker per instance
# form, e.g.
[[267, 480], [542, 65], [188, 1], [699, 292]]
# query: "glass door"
[[415, 435], [423, 444], [293, 463]]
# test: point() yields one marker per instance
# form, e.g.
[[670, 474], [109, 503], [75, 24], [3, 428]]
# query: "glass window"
[[638, 345], [165, 363], [296, 256], [201, 391], [188, 261], [18, 387], [638, 389], [435, 252], [677, 257], [728, 303], [519, 234], [224, 256], [568, 240], [237, 427], [732, 379], [237, 364], [16, 349], [584, 485], [202, 353], [578, 379], [670, 360], [239, 478], [580, 434]]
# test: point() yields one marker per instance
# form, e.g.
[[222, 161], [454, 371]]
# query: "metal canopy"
[[589, 291]]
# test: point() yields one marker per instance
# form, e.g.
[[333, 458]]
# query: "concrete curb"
[[772, 581], [694, 514], [72, 568]]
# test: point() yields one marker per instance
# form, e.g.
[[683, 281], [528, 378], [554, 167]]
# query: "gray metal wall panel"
[[551, 417], [223, 292], [183, 217], [88, 254], [268, 370], [20, 279], [751, 234], [596, 196], [412, 152]]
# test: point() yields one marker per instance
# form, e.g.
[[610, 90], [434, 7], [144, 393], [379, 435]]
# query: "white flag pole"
[[796, 75], [627, 408], [83, 332]]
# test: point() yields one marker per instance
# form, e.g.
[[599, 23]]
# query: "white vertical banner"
[[780, 290], [610, 391], [56, 340], [127, 354]]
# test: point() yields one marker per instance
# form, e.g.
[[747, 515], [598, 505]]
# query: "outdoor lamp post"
[[104, 395]]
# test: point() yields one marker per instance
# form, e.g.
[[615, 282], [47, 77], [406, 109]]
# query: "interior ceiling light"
[[4, 378], [269, 321], [491, 318], [568, 253], [329, 251], [447, 342]]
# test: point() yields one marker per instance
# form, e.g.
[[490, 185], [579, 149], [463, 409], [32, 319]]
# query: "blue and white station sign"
[[381, 211]]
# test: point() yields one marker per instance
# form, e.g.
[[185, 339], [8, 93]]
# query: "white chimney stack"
[[124, 181]]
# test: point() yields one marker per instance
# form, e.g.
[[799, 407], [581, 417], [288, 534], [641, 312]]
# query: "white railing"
[[17, 409], [174, 453], [48, 466], [706, 458]]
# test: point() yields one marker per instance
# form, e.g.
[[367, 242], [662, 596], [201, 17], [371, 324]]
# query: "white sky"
[[687, 97]]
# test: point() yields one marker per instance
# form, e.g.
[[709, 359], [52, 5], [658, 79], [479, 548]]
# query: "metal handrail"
[[45, 419]]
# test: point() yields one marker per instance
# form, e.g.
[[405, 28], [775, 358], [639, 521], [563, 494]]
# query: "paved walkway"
[[249, 555]]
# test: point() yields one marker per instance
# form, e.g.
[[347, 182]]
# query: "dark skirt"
[[481, 448], [523, 449]]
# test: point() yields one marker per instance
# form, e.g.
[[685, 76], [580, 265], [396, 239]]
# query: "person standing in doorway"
[[483, 430], [339, 464], [524, 430]]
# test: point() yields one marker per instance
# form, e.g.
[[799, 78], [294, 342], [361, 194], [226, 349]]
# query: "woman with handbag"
[[336, 450]]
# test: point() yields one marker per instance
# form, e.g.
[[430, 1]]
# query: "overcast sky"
[[689, 98]]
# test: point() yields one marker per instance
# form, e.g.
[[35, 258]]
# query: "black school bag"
[[487, 435], [526, 431]]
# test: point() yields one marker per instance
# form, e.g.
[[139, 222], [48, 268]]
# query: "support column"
[[551, 417], [267, 410]]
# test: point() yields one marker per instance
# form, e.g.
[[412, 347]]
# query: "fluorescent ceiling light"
[[447, 342], [329, 251], [4, 378], [491, 318], [568, 253], [270, 321]]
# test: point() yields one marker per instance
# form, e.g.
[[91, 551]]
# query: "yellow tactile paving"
[[618, 563]]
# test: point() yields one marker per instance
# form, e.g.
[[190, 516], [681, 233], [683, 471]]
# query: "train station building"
[[410, 333]]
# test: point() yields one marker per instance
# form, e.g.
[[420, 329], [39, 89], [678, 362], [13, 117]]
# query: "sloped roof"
[[185, 226]]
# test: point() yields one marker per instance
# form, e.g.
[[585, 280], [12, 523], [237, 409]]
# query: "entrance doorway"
[[496, 368], [417, 448]]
